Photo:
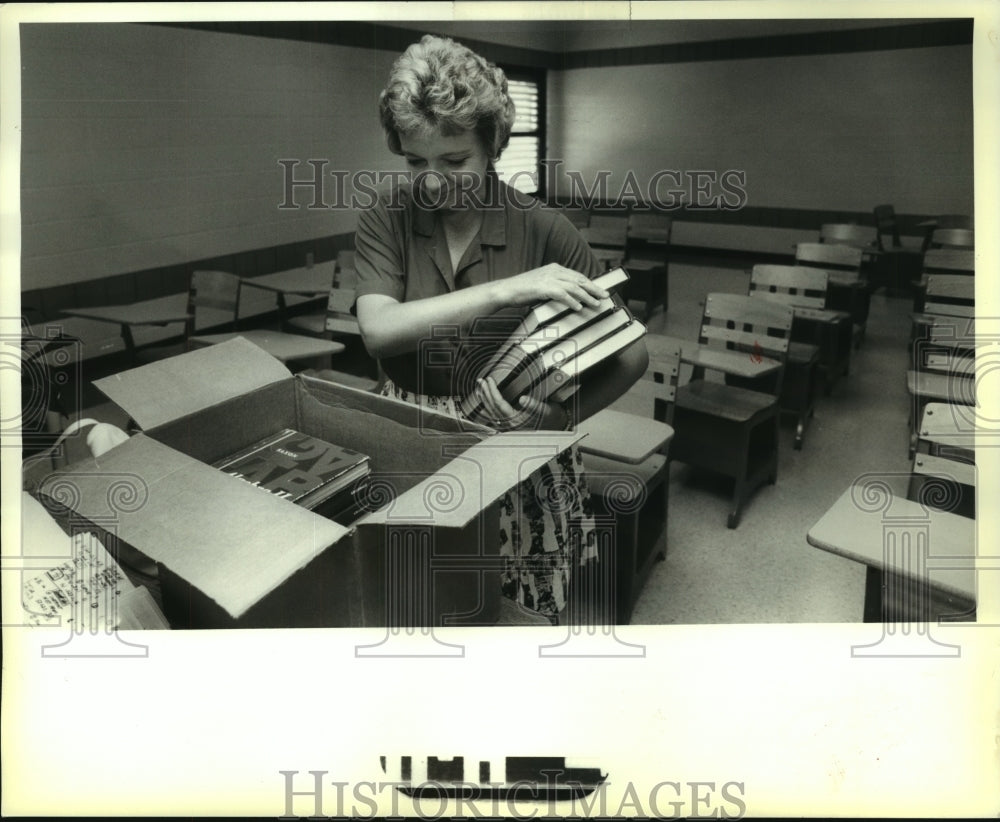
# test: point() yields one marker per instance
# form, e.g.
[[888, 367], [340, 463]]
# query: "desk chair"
[[943, 355], [931, 518], [805, 289], [625, 457], [948, 295], [607, 236], [647, 259], [732, 428], [846, 290], [957, 261], [953, 238], [942, 478], [802, 366], [944, 221], [220, 290], [896, 265]]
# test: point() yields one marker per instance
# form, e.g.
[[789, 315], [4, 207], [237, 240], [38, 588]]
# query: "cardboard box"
[[231, 555]]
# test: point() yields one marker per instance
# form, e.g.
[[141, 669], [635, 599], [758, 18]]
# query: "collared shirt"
[[402, 252]]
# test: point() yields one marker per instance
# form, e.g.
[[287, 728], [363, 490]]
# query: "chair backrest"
[[886, 225], [607, 231], [860, 236], [659, 382], [793, 285], [219, 290], [829, 256], [950, 261], [754, 326], [953, 238], [951, 295]]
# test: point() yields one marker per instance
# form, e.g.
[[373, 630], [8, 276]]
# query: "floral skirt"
[[546, 522]]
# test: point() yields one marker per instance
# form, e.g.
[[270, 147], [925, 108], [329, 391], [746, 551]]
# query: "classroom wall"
[[149, 146], [826, 131]]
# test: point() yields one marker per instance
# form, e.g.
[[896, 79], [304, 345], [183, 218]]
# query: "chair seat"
[[281, 346], [800, 353], [623, 437], [941, 386], [602, 472], [725, 401]]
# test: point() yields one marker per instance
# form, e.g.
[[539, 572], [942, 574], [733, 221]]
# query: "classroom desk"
[[650, 267], [834, 335], [157, 312], [737, 363], [941, 555], [299, 282]]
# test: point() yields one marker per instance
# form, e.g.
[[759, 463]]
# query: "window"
[[519, 165]]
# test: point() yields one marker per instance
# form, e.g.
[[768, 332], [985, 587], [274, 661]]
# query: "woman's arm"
[[391, 327]]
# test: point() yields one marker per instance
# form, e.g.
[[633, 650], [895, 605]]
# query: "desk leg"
[[873, 595], [282, 311], [666, 287], [129, 341]]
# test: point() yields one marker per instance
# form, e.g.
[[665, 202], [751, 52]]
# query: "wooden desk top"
[[305, 281], [83, 339], [852, 532], [160, 311], [736, 363], [624, 437]]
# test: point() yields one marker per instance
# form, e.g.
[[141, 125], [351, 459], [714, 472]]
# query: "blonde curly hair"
[[438, 83]]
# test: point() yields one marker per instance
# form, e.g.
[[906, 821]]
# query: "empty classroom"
[[792, 203]]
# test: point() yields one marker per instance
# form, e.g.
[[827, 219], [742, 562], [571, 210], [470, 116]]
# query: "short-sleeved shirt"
[[402, 252]]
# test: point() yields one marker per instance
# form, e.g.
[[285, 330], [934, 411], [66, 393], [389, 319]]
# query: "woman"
[[458, 249]]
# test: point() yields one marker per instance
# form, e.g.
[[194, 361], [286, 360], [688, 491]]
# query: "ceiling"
[[561, 36]]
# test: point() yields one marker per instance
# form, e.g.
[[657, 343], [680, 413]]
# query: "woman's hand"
[[531, 412], [551, 282]]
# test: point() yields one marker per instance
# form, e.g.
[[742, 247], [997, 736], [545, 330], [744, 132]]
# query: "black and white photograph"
[[454, 409]]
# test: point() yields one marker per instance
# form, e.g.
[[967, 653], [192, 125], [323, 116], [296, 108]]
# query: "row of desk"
[[308, 282]]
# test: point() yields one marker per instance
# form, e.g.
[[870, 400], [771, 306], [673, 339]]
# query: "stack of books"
[[553, 347], [326, 478]]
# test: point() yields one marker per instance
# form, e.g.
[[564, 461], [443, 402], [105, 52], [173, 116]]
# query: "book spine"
[[563, 381]]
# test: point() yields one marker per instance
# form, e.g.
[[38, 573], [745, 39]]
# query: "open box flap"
[[475, 478], [174, 387], [234, 542]]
